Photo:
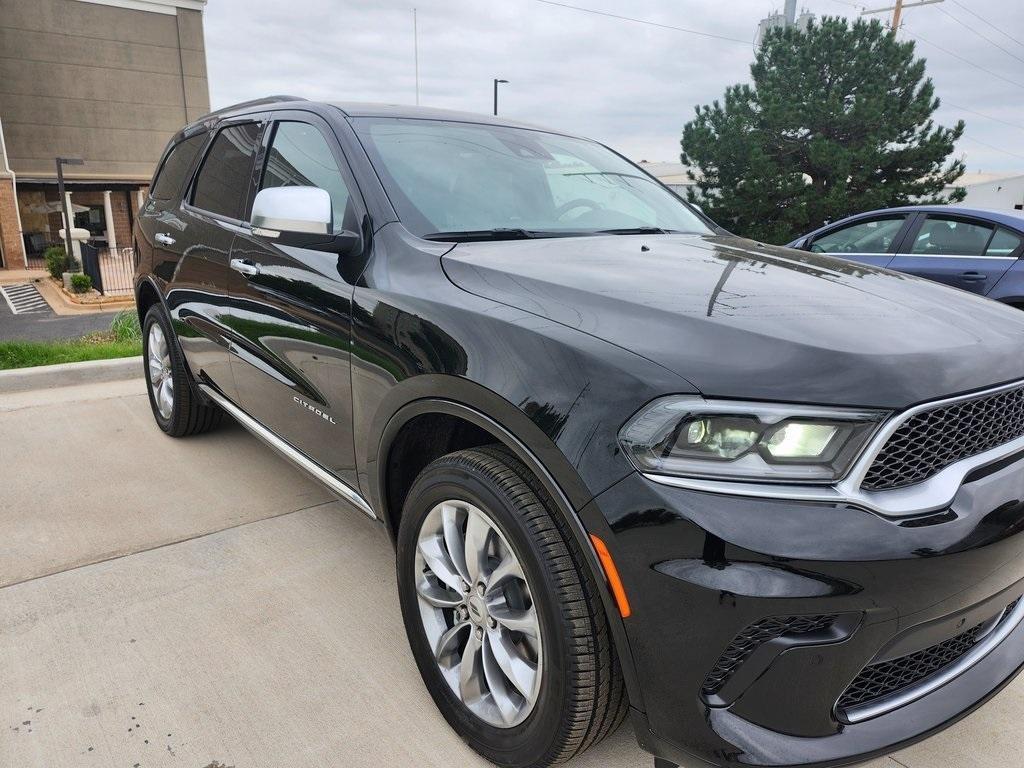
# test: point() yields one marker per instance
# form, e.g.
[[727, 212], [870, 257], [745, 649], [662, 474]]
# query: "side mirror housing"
[[301, 210]]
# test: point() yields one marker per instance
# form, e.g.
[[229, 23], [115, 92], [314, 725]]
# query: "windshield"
[[450, 178]]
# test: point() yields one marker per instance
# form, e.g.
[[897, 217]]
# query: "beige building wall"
[[106, 83]]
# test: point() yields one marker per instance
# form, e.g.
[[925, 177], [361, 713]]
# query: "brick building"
[[107, 81]]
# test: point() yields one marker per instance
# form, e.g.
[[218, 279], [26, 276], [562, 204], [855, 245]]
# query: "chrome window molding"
[[935, 493], [1005, 624], [300, 460]]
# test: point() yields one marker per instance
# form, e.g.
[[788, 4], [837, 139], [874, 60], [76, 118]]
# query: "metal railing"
[[111, 270]]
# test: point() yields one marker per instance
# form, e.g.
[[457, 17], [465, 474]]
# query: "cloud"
[[629, 85]]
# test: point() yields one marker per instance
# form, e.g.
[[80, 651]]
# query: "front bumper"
[[701, 569]]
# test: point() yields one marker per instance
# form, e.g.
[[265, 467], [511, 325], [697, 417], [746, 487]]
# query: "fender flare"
[[566, 507]]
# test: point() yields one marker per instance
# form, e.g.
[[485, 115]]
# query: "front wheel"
[[504, 621]]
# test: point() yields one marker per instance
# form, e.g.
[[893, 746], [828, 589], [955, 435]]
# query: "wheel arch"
[[505, 424]]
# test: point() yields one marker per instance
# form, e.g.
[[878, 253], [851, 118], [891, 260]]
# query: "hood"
[[741, 320]]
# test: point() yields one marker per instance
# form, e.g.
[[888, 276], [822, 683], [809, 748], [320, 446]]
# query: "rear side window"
[[223, 182], [1003, 243], [950, 237], [172, 174], [875, 236]]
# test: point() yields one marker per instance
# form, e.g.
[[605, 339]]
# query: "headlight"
[[689, 436]]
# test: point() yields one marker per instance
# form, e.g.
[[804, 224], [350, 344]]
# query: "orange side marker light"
[[611, 574]]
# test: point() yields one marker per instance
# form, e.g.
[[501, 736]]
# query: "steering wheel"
[[572, 205]]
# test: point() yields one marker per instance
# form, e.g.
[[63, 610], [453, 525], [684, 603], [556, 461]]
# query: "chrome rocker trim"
[[1004, 625], [300, 460], [935, 493]]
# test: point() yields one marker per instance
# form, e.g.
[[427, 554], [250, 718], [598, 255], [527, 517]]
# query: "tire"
[[580, 697], [185, 415]]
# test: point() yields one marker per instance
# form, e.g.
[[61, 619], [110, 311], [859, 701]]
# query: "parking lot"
[[199, 603]]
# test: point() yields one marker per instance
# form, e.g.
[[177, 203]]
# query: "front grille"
[[754, 636], [888, 677], [931, 440]]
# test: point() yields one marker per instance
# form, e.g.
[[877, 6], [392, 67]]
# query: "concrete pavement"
[[199, 603]]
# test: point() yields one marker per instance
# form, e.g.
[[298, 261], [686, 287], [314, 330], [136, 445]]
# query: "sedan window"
[[1003, 243], [950, 237], [875, 236]]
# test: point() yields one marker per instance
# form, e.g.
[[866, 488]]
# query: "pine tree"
[[838, 121]]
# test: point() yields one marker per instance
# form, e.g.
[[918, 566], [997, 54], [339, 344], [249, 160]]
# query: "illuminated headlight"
[[692, 437]]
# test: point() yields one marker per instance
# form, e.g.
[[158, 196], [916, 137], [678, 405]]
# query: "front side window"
[[223, 182], [875, 236], [172, 174], [950, 237], [300, 156], [449, 177]]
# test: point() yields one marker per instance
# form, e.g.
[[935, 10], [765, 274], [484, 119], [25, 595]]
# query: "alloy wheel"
[[160, 379], [478, 613]]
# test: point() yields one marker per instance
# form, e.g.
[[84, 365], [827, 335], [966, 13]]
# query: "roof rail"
[[253, 103]]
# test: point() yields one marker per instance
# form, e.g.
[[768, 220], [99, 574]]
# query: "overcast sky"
[[630, 85]]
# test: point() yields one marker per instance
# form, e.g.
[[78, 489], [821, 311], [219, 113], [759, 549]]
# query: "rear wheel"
[[506, 626], [176, 409]]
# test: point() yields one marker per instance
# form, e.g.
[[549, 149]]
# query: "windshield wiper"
[[638, 231], [499, 233]]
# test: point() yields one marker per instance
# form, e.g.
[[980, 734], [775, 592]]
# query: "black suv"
[[766, 502]]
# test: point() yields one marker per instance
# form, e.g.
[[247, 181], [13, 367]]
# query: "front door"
[[868, 241], [293, 317], [966, 253]]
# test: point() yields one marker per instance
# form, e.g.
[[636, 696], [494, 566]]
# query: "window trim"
[[259, 120], [907, 245], [894, 246]]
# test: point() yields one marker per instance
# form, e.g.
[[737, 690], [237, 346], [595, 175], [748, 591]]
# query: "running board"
[[297, 458]]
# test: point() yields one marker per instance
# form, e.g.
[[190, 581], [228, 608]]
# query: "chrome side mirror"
[[305, 210]]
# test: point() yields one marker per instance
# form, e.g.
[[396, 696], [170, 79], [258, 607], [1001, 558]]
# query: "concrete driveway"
[[199, 603]]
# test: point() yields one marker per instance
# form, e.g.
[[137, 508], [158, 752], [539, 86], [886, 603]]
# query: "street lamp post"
[[496, 81], [61, 162]]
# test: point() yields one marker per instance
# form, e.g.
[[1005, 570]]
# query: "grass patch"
[[122, 340], [97, 346]]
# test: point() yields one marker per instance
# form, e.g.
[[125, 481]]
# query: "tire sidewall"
[[529, 741]]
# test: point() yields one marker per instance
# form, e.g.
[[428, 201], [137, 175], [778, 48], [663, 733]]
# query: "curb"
[[70, 374]]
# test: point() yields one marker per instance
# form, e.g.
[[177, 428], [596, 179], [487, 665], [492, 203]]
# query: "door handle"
[[246, 267], [160, 237], [972, 277]]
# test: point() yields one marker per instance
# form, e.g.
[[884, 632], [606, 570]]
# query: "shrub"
[[56, 261], [80, 283], [125, 326]]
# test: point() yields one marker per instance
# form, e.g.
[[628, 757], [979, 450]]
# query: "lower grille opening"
[[756, 635], [885, 678]]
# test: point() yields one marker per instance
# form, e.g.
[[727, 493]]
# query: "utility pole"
[[496, 81], [416, 54], [897, 11]]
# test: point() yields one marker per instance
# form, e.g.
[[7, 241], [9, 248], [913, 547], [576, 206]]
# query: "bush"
[[80, 283], [125, 326], [56, 261]]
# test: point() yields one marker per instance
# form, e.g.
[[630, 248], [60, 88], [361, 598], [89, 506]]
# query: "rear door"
[[868, 240], [294, 313], [202, 229], [961, 251]]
